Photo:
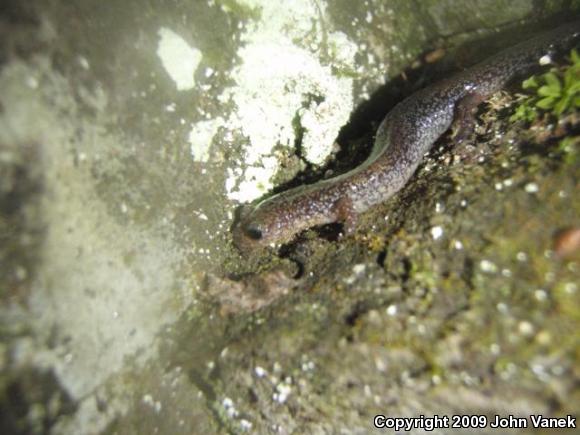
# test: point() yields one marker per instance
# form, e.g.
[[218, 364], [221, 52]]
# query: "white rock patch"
[[178, 58]]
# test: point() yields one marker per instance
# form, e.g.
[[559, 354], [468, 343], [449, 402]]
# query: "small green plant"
[[557, 91]]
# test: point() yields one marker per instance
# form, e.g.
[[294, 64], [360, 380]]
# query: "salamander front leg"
[[464, 121], [347, 215]]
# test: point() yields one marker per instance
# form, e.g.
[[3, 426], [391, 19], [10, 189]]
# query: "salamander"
[[402, 139]]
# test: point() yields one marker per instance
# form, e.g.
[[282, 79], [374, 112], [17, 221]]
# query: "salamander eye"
[[253, 231]]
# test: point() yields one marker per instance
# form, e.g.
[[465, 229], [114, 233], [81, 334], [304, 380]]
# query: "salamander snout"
[[265, 225], [249, 234]]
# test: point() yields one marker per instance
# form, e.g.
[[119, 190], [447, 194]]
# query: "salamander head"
[[263, 225]]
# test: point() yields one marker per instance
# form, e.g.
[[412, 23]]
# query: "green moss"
[[556, 92], [569, 148], [240, 10]]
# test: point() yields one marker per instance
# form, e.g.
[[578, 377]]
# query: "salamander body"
[[402, 139]]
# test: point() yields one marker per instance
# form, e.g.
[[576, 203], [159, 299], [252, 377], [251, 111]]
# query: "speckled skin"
[[402, 139]]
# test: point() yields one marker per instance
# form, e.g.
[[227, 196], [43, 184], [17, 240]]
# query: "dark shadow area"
[[17, 21], [25, 389], [21, 226]]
